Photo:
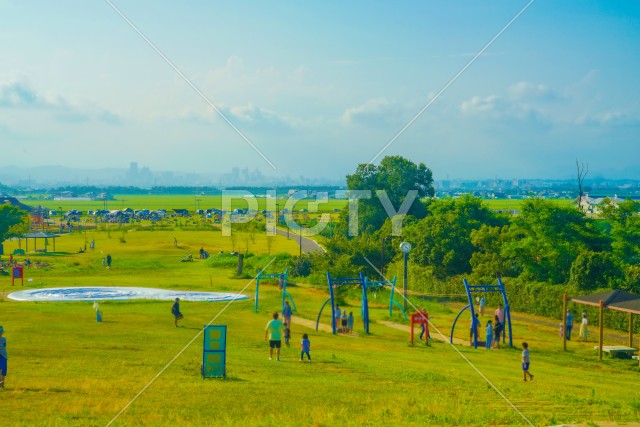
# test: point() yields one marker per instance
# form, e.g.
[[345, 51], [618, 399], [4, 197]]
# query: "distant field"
[[206, 202], [169, 202]]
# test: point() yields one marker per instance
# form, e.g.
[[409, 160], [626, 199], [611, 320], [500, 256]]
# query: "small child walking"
[[287, 335], [305, 347], [3, 357], [525, 362]]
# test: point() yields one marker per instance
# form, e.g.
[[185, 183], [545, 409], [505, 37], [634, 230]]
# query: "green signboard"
[[214, 353]]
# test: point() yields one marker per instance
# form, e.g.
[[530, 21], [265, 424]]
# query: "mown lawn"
[[65, 369]]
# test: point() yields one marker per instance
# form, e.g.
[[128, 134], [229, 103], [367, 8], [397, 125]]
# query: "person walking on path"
[[175, 310], [305, 347], [3, 357], [525, 362], [286, 314], [569, 324], [273, 332], [584, 332]]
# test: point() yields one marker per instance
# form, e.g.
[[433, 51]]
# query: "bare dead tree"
[[582, 171]]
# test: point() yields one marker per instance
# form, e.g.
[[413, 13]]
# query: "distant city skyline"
[[314, 89]]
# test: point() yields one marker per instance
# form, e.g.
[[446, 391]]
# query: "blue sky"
[[318, 88]]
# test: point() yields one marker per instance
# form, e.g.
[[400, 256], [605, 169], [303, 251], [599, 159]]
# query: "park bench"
[[619, 351]]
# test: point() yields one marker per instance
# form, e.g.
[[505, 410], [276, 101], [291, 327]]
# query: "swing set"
[[282, 284], [470, 289], [365, 284]]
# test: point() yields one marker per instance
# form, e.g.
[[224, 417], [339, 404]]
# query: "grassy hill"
[[136, 368]]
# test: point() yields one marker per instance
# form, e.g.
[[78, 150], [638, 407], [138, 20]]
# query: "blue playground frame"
[[484, 288], [282, 277], [365, 284]]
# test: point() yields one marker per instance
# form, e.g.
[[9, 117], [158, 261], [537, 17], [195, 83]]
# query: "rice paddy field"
[[135, 368]]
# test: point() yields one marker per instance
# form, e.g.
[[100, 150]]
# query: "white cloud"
[[372, 112], [526, 91], [609, 118], [478, 104], [19, 95]]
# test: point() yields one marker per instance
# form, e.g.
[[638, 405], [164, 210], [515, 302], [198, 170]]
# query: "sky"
[[316, 88]]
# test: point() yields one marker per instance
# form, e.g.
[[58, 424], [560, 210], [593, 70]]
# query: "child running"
[[525, 361], [305, 347]]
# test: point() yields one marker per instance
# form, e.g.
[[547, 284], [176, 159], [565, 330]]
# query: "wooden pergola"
[[40, 235], [617, 299]]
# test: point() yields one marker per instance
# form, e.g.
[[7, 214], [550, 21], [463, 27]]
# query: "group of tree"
[[544, 243]]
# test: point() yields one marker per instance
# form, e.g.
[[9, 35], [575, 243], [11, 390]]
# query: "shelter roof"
[[39, 235], [615, 300]]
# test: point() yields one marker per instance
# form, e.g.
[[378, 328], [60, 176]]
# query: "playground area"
[[400, 383]]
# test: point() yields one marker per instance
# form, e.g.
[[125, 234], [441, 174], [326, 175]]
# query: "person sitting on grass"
[[273, 332]]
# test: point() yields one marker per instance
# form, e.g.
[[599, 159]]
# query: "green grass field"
[[205, 202], [65, 369]]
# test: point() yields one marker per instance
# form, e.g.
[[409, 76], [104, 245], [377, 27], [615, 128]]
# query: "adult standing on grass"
[[108, 260], [500, 314], [489, 331], [569, 324], [473, 328], [525, 361], [273, 333], [286, 314], [350, 322], [3, 357], [584, 333], [175, 310], [483, 303], [497, 331]]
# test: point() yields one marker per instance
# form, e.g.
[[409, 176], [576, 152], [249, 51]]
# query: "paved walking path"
[[321, 327], [308, 245]]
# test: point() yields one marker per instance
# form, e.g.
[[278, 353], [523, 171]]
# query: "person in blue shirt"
[[483, 303], [489, 331], [305, 347], [286, 314], [569, 324], [3, 357]]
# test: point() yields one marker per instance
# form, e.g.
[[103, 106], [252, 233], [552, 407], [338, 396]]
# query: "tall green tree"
[[625, 230], [545, 239], [396, 176], [442, 240], [13, 221]]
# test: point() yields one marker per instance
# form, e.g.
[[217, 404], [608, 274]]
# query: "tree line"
[[545, 244]]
